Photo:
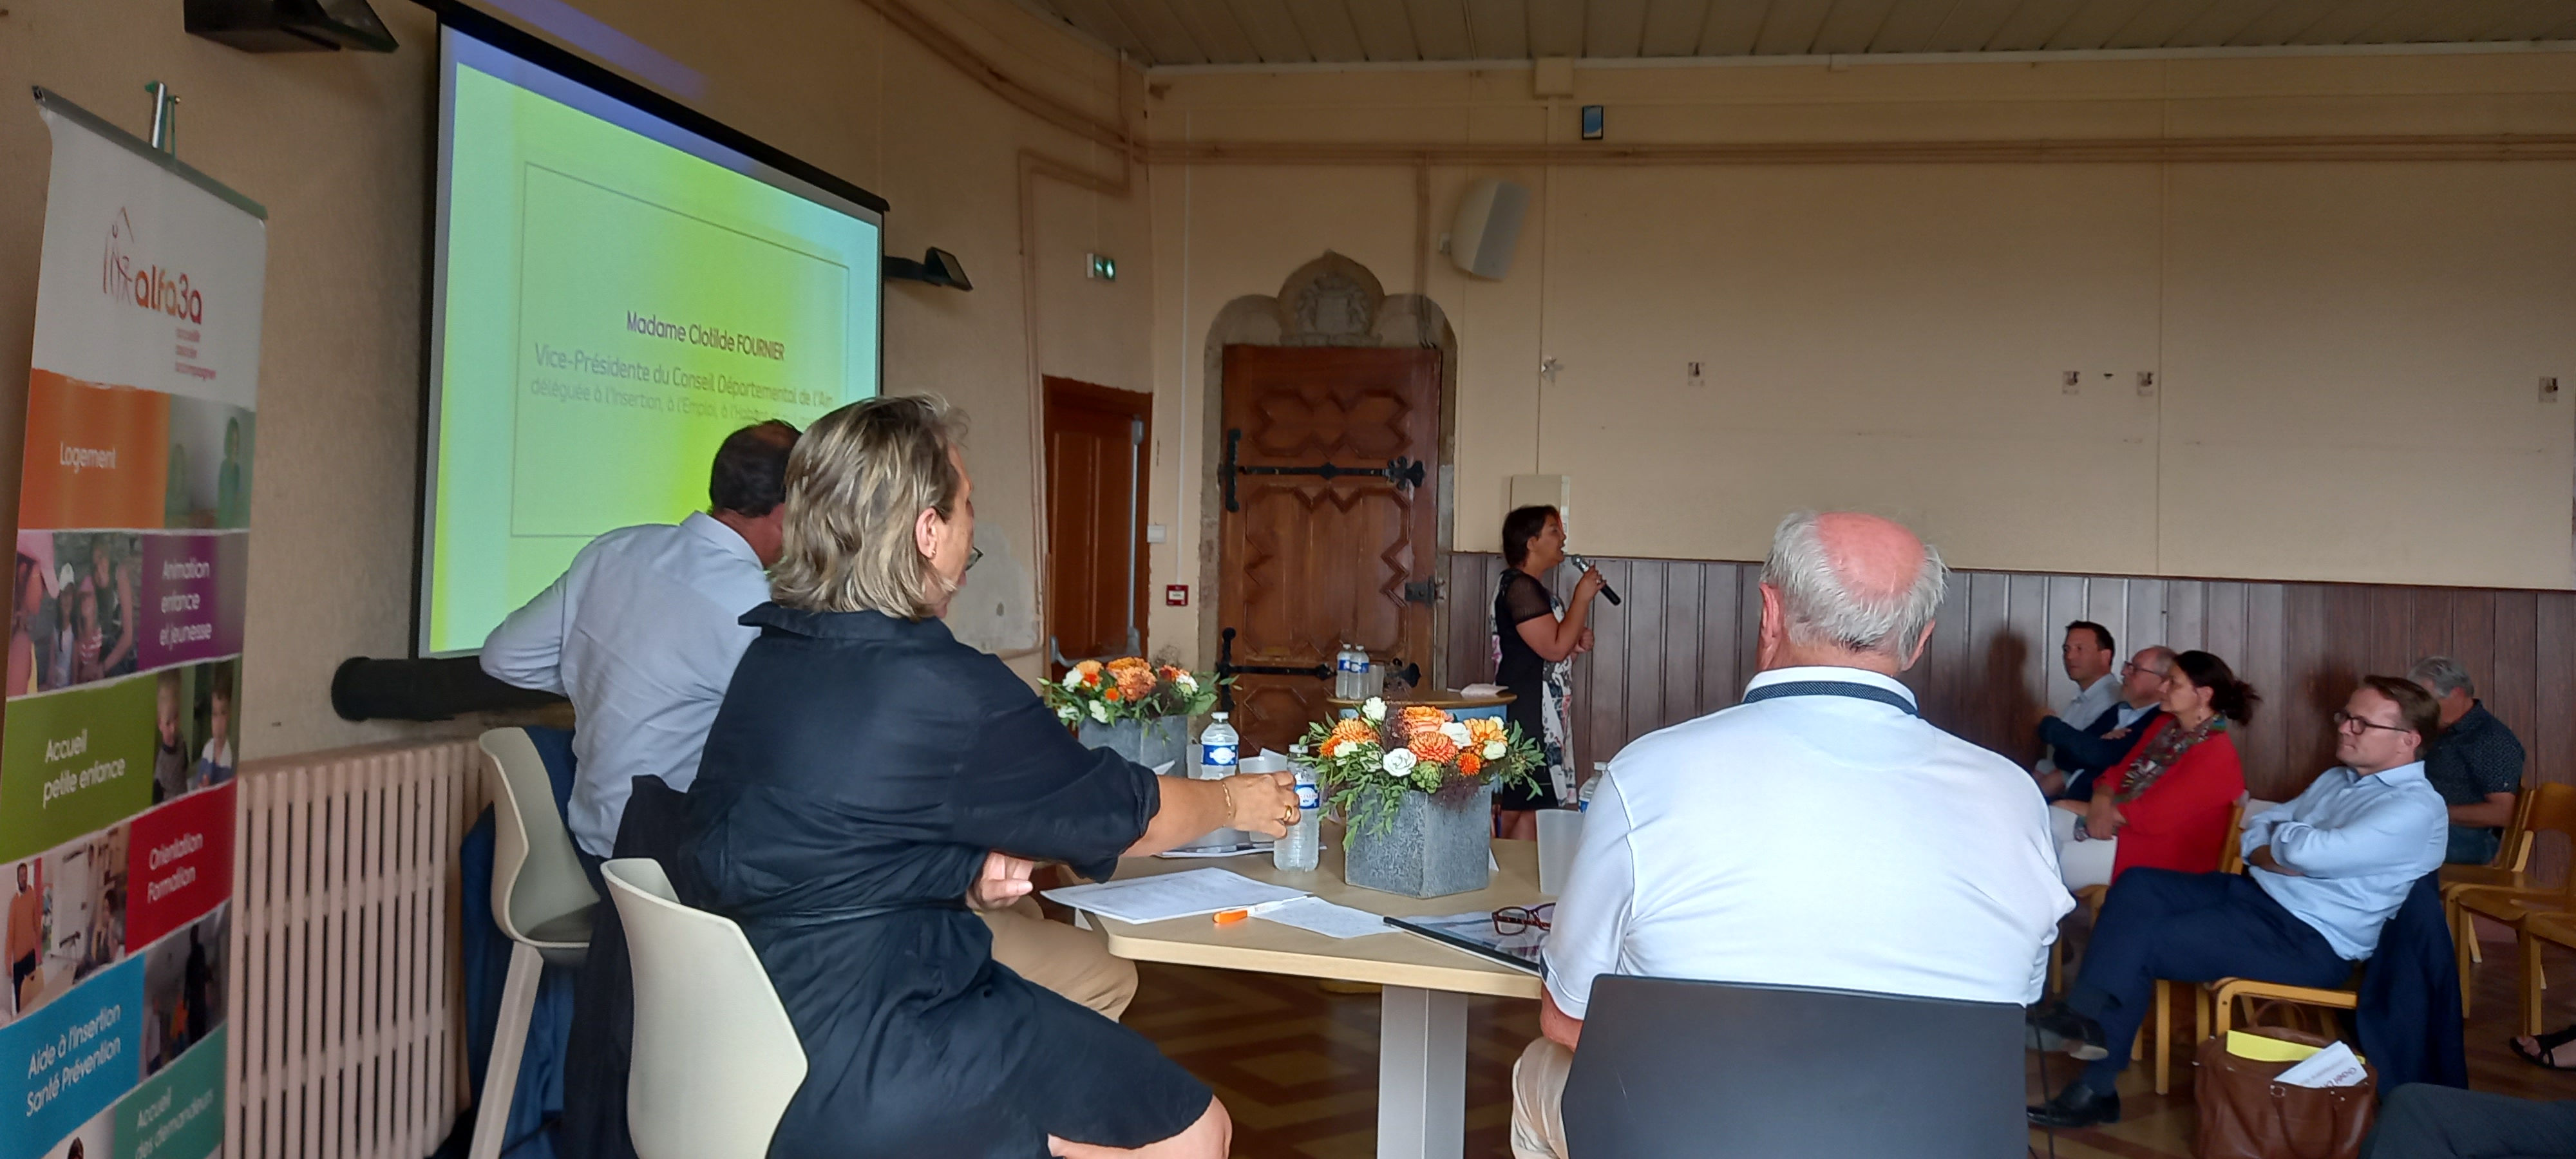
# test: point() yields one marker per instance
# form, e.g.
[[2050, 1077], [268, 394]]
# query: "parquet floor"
[[1297, 1067]]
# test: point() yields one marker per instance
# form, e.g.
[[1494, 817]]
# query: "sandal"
[[2547, 1054]]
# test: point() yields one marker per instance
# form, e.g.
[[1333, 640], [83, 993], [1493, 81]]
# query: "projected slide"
[[614, 304]]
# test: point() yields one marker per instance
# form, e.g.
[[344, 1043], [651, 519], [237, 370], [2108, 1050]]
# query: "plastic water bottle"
[[1363, 683], [1345, 674], [1299, 849], [1220, 750]]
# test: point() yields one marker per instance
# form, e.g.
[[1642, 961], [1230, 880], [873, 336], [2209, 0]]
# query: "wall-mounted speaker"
[[1488, 226]]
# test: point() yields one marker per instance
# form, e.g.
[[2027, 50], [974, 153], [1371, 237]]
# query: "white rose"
[[1456, 732], [1187, 682], [1399, 763], [1495, 749], [1374, 708], [1072, 679], [1067, 713], [1100, 712]]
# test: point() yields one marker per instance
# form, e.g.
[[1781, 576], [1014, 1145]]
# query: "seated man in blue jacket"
[[2324, 874], [2082, 752]]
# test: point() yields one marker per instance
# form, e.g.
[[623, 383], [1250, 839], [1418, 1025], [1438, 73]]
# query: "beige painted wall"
[[335, 145], [2346, 354]]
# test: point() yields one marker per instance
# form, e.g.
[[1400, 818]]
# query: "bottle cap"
[[1216, 716]]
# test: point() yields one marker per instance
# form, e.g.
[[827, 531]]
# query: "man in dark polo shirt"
[[2476, 766]]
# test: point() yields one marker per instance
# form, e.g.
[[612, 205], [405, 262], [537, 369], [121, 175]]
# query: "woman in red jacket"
[[2170, 801]]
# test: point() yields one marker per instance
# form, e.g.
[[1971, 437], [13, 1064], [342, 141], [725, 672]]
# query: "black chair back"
[[1671, 1069]]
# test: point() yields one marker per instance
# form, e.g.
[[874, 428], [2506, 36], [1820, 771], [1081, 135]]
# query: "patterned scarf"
[[2164, 752]]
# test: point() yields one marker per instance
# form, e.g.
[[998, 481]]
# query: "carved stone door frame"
[[1330, 301]]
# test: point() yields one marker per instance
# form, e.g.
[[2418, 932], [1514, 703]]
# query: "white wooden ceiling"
[[1185, 32]]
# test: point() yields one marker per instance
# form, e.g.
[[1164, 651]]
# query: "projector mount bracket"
[[1401, 471]]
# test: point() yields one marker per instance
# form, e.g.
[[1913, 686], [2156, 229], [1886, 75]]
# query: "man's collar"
[[2475, 718], [2097, 682], [714, 531], [2398, 775], [1831, 673]]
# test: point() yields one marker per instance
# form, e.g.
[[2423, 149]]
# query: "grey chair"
[[1715, 1070]]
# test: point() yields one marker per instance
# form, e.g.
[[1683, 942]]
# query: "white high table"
[[1422, 1028]]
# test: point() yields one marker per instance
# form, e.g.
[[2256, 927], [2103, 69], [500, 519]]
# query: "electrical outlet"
[[2073, 381], [1153, 533]]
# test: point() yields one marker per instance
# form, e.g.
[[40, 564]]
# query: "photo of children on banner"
[[210, 447], [172, 769], [40, 636], [183, 988], [215, 712], [75, 617], [66, 918]]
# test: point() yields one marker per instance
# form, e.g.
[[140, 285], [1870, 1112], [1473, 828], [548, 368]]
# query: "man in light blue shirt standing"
[[2324, 874]]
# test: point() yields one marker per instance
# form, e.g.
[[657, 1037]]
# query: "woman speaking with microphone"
[[1536, 639]]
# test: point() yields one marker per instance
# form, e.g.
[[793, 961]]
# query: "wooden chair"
[[2537, 929], [2230, 860], [2512, 859], [2225, 993], [2552, 810]]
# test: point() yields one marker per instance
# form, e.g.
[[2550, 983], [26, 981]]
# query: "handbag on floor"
[[2244, 1114]]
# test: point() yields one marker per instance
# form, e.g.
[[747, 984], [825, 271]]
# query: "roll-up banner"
[[124, 665]]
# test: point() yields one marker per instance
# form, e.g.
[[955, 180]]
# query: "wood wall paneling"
[[1683, 646]]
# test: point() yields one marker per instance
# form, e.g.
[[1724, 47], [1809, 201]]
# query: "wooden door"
[[1331, 533], [1096, 569]]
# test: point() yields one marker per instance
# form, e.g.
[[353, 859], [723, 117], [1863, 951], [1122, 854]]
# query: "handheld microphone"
[[1607, 592]]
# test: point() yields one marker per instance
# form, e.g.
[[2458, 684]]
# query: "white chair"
[[716, 1060], [540, 899]]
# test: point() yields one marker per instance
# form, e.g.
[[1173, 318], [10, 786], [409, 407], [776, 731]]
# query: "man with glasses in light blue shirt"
[[2324, 873]]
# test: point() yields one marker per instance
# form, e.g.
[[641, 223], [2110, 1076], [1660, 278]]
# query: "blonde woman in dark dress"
[[870, 781]]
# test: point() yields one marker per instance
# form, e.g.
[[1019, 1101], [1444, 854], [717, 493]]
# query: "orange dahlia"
[[1469, 764], [1353, 732], [1433, 747], [1419, 718], [1483, 729]]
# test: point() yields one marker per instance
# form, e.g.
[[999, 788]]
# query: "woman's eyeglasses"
[[973, 554], [2345, 720], [1512, 919]]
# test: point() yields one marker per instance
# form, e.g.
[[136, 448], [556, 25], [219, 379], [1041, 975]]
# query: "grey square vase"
[[1437, 845], [1146, 742]]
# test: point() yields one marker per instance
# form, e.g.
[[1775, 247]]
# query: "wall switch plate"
[[2549, 389], [2146, 384], [2072, 381], [1176, 595], [1691, 374], [1153, 533]]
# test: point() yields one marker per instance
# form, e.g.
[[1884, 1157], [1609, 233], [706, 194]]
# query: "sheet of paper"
[[1196, 893], [1323, 917], [2335, 1066]]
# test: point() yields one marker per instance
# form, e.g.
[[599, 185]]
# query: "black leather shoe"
[[2059, 1029], [2076, 1107]]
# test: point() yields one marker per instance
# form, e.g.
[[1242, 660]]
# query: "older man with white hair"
[[1698, 856]]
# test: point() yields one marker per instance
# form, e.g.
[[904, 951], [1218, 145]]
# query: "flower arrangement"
[[1416, 748], [1129, 688]]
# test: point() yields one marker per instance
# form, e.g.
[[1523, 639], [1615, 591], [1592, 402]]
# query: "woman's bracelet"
[[1227, 784]]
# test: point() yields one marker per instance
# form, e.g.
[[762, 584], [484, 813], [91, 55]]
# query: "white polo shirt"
[[1812, 840]]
